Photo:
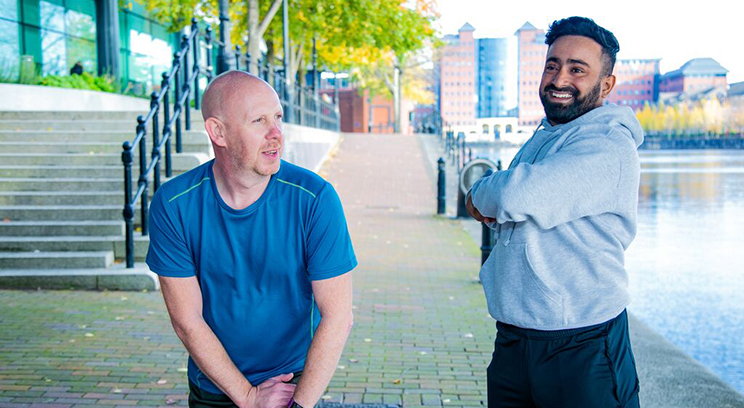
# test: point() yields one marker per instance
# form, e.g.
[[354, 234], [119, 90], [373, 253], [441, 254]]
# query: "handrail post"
[[177, 108], [209, 66], [195, 45], [155, 141], [237, 57], [143, 172], [186, 87], [128, 213], [166, 126]]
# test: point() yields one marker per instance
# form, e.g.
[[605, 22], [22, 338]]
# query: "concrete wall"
[[46, 98], [308, 147]]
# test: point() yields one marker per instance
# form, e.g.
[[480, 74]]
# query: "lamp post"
[[224, 59], [287, 77]]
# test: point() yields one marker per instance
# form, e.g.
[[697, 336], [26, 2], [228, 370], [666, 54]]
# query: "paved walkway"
[[422, 335]]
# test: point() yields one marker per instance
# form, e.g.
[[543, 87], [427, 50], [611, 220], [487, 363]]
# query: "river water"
[[686, 264]]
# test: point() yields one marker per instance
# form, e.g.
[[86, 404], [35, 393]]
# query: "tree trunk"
[[254, 37], [396, 99], [256, 30]]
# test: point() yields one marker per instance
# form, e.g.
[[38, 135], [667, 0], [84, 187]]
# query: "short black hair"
[[586, 27]]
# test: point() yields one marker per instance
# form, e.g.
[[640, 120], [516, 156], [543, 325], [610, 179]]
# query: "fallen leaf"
[[89, 334], [397, 381], [170, 401], [367, 340], [353, 360], [183, 370], [161, 382], [116, 391]]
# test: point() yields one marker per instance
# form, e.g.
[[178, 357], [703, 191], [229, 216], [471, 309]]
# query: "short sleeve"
[[329, 249], [168, 254]]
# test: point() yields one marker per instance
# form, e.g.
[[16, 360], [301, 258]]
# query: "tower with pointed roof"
[[531, 52], [457, 78]]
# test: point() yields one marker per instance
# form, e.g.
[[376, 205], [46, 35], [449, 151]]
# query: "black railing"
[[182, 82]]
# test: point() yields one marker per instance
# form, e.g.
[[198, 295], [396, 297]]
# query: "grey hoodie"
[[566, 211]]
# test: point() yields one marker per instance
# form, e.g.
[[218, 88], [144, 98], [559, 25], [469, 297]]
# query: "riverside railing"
[[181, 83]]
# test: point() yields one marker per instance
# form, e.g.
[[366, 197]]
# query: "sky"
[[675, 31]]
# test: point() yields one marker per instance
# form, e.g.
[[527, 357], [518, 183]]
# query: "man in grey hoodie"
[[563, 214]]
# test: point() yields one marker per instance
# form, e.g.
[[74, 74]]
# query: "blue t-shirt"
[[254, 265]]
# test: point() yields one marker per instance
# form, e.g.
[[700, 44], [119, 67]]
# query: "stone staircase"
[[62, 195]]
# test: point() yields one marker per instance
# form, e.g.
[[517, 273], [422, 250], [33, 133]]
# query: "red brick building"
[[696, 75], [637, 82], [532, 51], [457, 78]]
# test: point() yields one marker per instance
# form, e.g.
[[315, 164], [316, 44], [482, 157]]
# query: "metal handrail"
[[182, 91], [183, 80]]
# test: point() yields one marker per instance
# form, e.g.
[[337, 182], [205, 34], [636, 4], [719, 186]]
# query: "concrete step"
[[62, 197], [77, 244], [115, 277], [62, 184], [83, 147], [64, 171], [60, 228], [65, 213], [109, 136], [183, 161], [57, 260], [80, 115], [86, 125], [71, 115], [75, 172]]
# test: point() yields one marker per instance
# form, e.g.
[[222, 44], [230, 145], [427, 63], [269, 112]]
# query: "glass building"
[[51, 36], [496, 79]]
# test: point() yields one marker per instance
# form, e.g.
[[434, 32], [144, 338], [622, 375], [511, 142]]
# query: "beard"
[[559, 113]]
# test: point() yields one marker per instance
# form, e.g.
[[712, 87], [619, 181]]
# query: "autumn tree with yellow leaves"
[[706, 116]]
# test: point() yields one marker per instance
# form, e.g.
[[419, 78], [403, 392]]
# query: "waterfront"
[[686, 264]]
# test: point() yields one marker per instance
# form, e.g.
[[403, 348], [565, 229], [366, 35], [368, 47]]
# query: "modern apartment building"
[[458, 77], [532, 50]]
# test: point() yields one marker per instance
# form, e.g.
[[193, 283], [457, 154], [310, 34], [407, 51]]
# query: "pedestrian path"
[[422, 335]]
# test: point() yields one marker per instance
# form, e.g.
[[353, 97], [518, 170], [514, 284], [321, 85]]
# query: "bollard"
[[441, 188], [498, 165], [486, 235]]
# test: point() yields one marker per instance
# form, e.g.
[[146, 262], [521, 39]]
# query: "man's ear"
[[608, 83], [216, 131]]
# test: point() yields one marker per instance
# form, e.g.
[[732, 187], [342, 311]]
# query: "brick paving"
[[422, 335]]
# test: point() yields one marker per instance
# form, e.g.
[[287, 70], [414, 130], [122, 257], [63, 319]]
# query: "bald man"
[[253, 256]]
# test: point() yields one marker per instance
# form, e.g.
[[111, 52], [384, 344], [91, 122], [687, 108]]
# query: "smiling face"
[[573, 81]]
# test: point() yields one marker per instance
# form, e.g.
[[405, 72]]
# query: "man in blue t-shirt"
[[253, 256]]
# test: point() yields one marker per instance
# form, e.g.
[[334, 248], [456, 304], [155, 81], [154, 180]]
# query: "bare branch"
[[268, 17]]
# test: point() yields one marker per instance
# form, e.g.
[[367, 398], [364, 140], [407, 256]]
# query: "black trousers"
[[199, 398], [578, 368]]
